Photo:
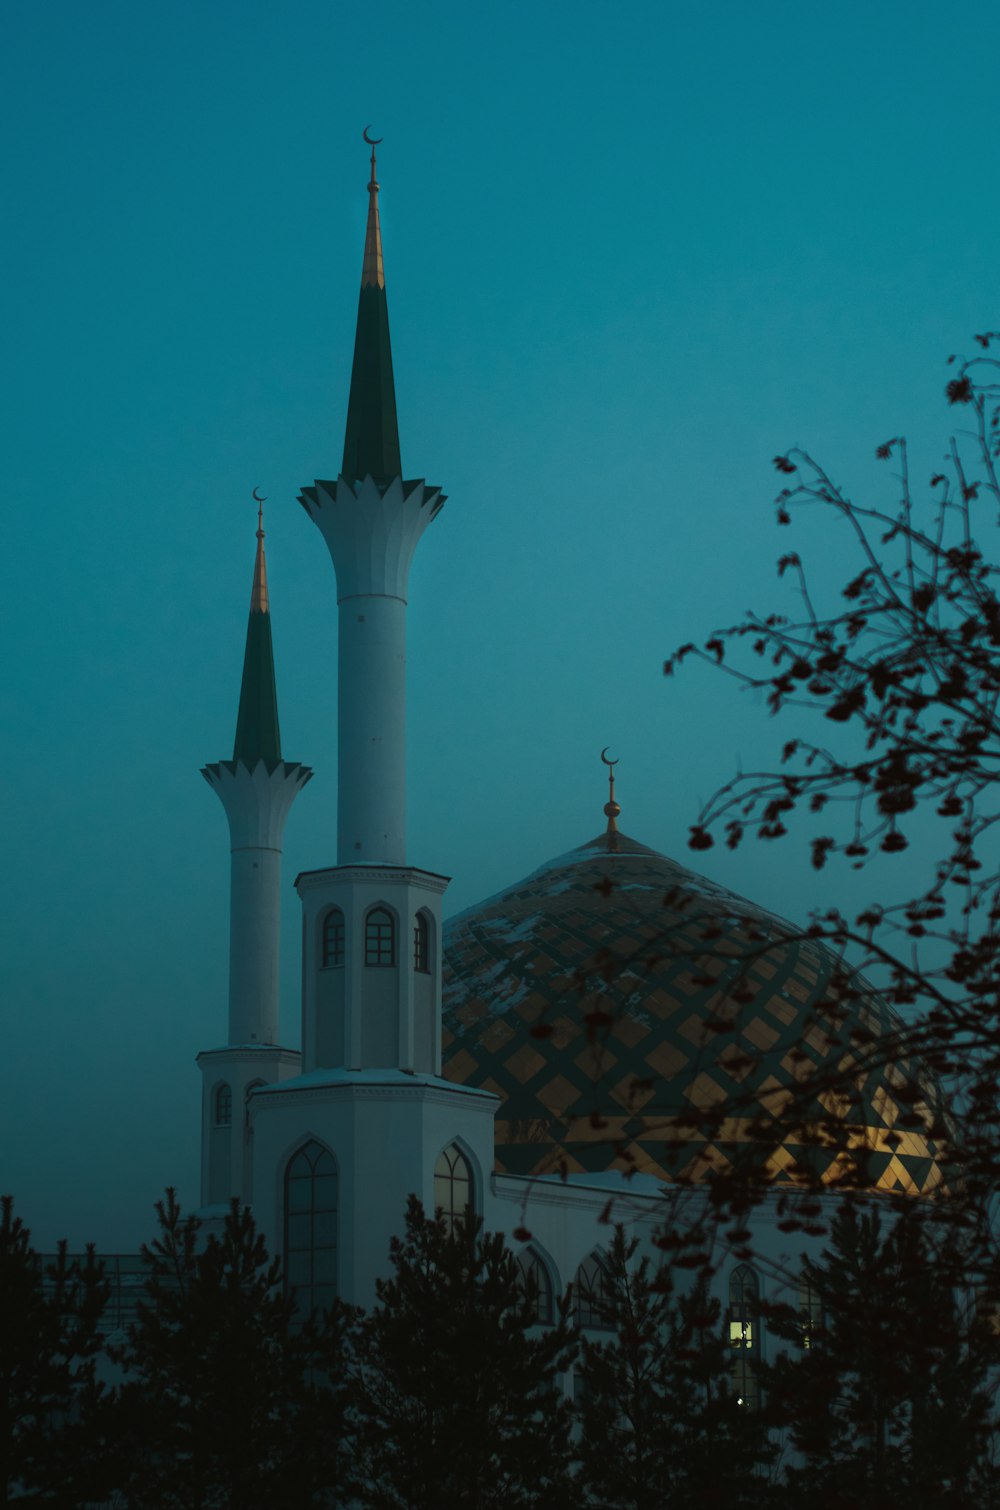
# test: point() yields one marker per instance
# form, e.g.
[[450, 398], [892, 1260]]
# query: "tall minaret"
[[370, 1094], [371, 521], [257, 789]]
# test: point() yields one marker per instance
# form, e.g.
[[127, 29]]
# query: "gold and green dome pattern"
[[632, 1016]]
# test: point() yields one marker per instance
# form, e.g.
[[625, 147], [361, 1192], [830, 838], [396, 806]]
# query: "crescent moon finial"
[[611, 807], [260, 502], [373, 142]]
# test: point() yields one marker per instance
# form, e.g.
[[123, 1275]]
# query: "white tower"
[[370, 1094], [257, 789]]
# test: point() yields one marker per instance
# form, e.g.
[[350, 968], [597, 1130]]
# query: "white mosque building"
[[540, 1055]]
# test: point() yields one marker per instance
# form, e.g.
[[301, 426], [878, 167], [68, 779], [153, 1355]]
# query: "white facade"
[[363, 1105]]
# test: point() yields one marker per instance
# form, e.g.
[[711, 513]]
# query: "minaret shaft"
[[371, 701], [254, 945]]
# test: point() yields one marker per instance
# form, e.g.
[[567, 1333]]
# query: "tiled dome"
[[633, 1016]]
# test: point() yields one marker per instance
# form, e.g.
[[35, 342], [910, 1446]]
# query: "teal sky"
[[630, 255]]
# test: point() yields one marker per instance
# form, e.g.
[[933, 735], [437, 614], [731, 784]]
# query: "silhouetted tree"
[[52, 1409], [461, 1401], [903, 677], [886, 1390], [230, 1400], [661, 1427]]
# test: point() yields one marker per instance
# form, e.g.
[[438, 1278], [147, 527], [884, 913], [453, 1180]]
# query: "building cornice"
[[407, 875]]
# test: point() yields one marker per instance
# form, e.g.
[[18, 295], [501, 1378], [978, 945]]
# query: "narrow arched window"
[[223, 1106], [333, 939], [744, 1333], [311, 1228], [594, 1297], [453, 1191], [421, 944], [536, 1282], [380, 940], [810, 1311]]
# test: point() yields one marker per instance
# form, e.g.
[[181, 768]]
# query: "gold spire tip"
[[258, 592], [372, 269]]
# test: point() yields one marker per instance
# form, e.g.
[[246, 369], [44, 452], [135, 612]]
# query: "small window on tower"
[[421, 945], [223, 1105], [333, 939], [536, 1283], [452, 1186], [594, 1295], [744, 1307], [810, 1311], [380, 944]]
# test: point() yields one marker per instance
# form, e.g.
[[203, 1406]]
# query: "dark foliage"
[[52, 1410], [904, 675], [229, 1403], [661, 1427], [460, 1400], [888, 1388]]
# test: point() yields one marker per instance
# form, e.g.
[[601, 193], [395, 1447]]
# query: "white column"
[[257, 803], [371, 702], [372, 533]]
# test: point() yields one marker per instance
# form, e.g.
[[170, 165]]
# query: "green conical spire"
[[371, 441], [257, 734]]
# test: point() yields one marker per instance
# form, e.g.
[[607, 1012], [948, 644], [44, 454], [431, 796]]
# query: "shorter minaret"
[[257, 789]]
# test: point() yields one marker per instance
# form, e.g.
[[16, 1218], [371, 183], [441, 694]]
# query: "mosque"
[[545, 1056]]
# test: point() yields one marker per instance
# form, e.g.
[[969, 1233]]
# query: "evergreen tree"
[[230, 1403], [661, 1427], [51, 1405], [461, 1402], [888, 1395]]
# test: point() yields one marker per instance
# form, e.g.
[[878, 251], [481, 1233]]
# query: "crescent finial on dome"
[[611, 807]]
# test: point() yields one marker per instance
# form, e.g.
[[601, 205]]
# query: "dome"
[[633, 1016]]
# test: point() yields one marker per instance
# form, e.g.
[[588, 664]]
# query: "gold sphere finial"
[[611, 807]]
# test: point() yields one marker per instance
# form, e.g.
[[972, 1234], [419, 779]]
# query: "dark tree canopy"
[[901, 681], [229, 1401], [887, 1388], [52, 1409], [661, 1427], [460, 1395]]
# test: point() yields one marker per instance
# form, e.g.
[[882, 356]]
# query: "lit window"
[[744, 1305], [311, 1228], [333, 939], [810, 1312], [379, 938], [223, 1106], [452, 1186], [537, 1285], [594, 1296], [421, 946]]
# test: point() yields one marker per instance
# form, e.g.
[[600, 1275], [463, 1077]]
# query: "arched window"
[[810, 1311], [311, 1228], [593, 1295], [537, 1284], [223, 1105], [744, 1333], [452, 1185], [421, 944], [333, 939], [380, 940]]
